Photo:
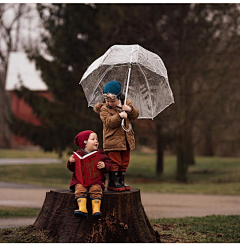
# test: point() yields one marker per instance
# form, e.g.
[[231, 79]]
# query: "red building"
[[22, 70]]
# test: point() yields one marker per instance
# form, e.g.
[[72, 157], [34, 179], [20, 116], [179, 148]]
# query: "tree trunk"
[[123, 219], [190, 149], [182, 157], [160, 146], [181, 167], [208, 143]]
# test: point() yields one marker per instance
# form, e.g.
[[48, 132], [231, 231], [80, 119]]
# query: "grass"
[[209, 229], [24, 235], [210, 175], [198, 188], [31, 153], [11, 212], [54, 175]]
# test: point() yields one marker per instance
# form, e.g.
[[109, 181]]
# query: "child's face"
[[92, 143], [112, 102]]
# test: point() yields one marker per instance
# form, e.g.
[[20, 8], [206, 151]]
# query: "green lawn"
[[31, 153], [209, 229], [210, 175], [11, 212]]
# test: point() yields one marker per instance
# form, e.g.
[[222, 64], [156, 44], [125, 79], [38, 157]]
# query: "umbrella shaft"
[[125, 100], [128, 79]]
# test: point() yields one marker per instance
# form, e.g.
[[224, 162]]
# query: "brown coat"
[[114, 137]]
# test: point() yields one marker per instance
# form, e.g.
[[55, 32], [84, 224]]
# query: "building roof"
[[21, 68]]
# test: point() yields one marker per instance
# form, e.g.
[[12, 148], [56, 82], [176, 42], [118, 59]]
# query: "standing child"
[[116, 142], [88, 142]]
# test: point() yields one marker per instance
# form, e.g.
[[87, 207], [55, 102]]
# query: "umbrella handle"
[[124, 128], [125, 101]]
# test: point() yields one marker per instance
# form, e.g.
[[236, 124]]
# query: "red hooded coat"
[[103, 157]]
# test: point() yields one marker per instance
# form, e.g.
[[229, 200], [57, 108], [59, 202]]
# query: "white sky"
[[22, 68], [29, 26]]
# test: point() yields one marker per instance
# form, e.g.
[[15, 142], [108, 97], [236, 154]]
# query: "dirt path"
[[156, 205], [181, 205]]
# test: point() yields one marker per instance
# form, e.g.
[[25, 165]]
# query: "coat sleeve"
[[71, 166], [134, 113], [108, 165], [111, 121], [107, 162]]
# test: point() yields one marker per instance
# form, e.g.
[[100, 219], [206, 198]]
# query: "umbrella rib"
[[90, 101], [137, 53], [106, 55], [148, 88]]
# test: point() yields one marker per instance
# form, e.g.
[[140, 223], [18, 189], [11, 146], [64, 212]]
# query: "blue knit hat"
[[113, 87]]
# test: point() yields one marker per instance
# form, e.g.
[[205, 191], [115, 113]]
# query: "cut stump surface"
[[123, 219]]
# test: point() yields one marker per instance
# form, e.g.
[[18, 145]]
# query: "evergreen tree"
[[71, 40]]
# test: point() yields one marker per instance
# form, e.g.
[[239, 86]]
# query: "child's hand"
[[100, 165], [126, 108], [71, 159], [123, 115]]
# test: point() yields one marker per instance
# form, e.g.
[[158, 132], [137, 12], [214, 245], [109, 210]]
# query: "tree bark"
[[182, 167], [190, 149], [182, 157], [208, 142], [160, 148], [123, 219]]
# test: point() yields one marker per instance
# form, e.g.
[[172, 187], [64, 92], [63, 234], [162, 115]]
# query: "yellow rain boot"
[[96, 204], [82, 205]]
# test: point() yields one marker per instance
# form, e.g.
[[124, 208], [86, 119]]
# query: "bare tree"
[[10, 25], [199, 44]]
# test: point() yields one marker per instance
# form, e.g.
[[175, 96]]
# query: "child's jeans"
[[120, 160], [94, 190]]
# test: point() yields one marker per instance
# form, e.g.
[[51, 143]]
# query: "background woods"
[[199, 44]]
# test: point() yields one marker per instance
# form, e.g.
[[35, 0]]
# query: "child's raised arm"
[[109, 120], [132, 115], [71, 159], [70, 163], [101, 165], [106, 160]]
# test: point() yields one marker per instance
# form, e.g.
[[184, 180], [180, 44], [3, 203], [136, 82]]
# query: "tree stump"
[[123, 219]]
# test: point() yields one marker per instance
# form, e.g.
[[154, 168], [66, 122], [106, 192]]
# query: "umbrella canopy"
[[148, 86]]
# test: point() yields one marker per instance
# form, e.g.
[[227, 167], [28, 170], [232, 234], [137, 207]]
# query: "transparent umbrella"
[[142, 75]]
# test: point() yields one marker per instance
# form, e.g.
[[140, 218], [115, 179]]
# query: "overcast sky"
[[29, 25]]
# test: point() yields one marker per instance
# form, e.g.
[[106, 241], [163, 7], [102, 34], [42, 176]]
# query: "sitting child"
[[88, 142]]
